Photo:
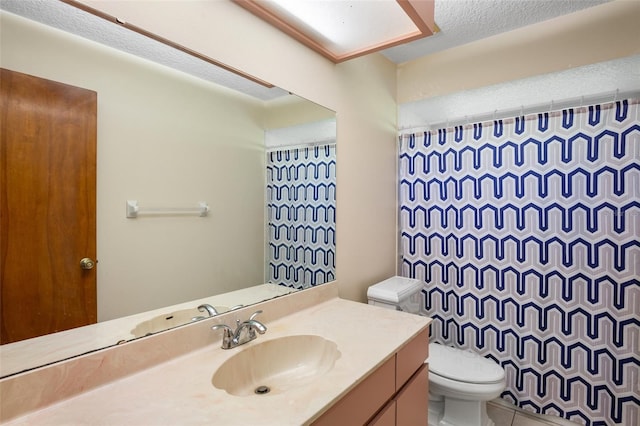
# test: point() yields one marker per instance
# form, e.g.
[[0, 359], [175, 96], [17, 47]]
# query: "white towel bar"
[[133, 210]]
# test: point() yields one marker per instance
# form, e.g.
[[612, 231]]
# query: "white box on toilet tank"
[[399, 293]]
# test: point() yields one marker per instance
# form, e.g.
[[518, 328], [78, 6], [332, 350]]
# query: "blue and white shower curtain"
[[526, 233], [301, 214]]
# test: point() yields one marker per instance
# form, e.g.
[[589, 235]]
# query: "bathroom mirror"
[[165, 139]]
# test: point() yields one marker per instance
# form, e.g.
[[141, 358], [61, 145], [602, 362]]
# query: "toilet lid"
[[463, 366]]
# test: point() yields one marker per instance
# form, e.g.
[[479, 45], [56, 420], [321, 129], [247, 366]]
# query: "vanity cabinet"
[[411, 401], [396, 393]]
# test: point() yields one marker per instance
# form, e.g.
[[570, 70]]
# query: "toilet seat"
[[456, 389], [463, 366]]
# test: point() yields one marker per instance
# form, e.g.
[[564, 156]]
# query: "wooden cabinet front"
[[396, 394], [412, 400], [386, 417], [364, 401]]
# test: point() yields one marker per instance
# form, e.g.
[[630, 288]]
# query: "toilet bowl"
[[460, 381], [460, 384]]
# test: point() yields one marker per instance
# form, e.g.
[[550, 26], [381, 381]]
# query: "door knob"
[[87, 263]]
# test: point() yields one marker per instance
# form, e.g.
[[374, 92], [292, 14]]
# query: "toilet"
[[460, 381]]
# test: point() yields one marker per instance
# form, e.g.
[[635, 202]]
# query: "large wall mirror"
[[166, 138]]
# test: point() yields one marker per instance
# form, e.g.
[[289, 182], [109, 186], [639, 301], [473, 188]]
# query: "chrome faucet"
[[210, 309], [245, 331]]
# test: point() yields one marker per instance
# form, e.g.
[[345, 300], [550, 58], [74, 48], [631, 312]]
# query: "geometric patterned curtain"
[[526, 234], [301, 214]]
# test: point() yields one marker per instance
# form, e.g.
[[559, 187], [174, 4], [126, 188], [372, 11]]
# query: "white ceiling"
[[73, 20], [460, 21], [464, 21]]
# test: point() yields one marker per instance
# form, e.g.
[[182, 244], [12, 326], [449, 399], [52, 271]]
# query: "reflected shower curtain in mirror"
[[301, 210], [526, 234]]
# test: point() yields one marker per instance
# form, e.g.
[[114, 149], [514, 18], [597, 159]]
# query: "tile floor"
[[505, 415]]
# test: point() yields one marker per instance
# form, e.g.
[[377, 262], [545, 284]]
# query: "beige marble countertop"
[[180, 391]]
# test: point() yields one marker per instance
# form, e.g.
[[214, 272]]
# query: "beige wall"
[[362, 92], [167, 139], [593, 35], [290, 111]]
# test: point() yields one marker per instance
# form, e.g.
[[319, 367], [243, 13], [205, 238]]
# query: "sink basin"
[[277, 365], [171, 319]]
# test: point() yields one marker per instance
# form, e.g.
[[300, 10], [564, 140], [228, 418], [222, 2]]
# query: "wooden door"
[[47, 206]]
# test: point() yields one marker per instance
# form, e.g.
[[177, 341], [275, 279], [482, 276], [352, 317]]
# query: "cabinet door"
[[362, 403], [412, 400], [387, 417]]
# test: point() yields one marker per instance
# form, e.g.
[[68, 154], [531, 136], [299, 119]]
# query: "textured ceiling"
[[460, 21], [464, 21], [73, 20]]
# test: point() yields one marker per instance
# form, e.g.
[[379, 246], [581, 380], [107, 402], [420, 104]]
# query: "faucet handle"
[[255, 325], [227, 335]]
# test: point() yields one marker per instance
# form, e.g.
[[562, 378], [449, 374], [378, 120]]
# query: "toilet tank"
[[399, 293]]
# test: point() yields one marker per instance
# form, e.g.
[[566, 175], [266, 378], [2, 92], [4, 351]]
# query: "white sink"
[[172, 319], [275, 366]]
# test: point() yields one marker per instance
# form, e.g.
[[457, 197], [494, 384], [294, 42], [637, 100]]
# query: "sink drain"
[[261, 390]]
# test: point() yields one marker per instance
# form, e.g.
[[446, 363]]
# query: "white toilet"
[[460, 381]]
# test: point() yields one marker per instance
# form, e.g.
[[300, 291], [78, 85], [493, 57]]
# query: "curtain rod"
[[327, 142], [553, 105]]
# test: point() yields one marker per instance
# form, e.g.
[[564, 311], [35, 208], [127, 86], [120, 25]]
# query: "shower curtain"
[[301, 197], [526, 234]]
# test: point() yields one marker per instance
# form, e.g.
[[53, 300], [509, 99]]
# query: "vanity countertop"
[[180, 391]]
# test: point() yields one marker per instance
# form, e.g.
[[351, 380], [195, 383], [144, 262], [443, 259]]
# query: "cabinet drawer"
[[411, 357]]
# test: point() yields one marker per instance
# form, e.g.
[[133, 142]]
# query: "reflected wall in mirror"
[[167, 138]]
